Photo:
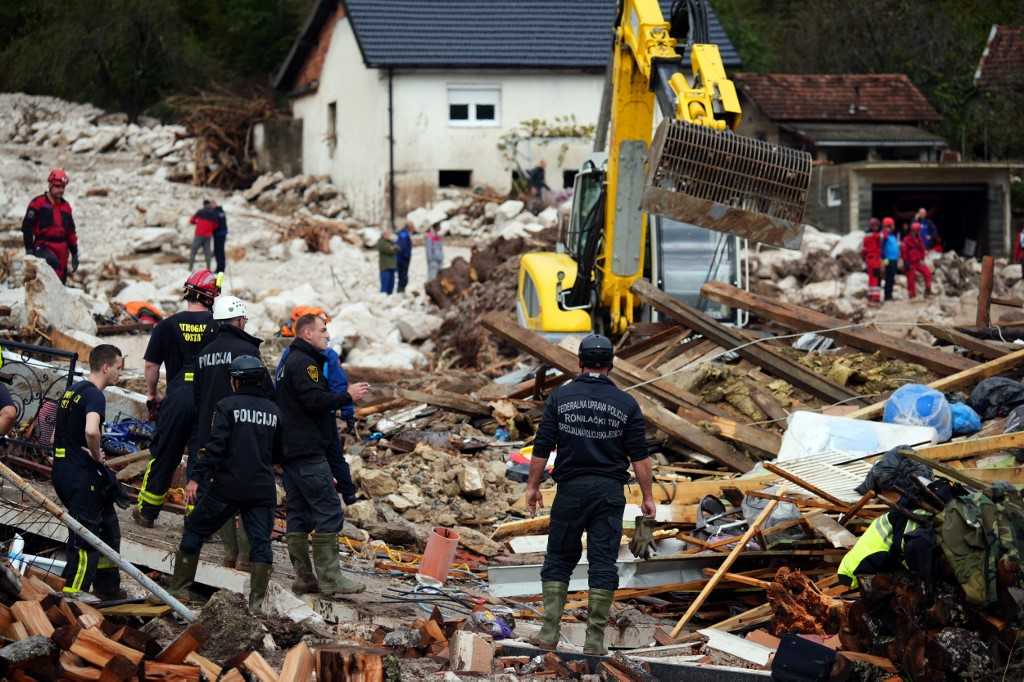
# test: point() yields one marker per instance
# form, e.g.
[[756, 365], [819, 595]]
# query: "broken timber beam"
[[656, 414], [449, 401], [983, 318], [954, 382], [771, 362], [807, 320], [966, 341]]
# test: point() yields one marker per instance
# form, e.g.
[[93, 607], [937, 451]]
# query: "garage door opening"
[[960, 212]]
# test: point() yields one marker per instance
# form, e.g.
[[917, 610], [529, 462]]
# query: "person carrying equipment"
[[49, 227], [174, 343], [234, 474]]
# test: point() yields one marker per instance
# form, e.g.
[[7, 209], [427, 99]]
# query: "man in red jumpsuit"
[[49, 228], [871, 251], [912, 251]]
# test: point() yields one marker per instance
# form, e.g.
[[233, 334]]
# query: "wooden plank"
[[31, 615], [955, 382], [829, 528], [170, 672], [972, 447], [804, 319], [983, 317], [958, 338], [1011, 302], [749, 618], [124, 460], [761, 355], [298, 664], [259, 668], [209, 668], [449, 401], [741, 545], [133, 470], [66, 342], [193, 637], [741, 579], [855, 509], [677, 494], [1011, 475], [654, 413]]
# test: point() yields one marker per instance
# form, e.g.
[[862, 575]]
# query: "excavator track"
[[728, 182]]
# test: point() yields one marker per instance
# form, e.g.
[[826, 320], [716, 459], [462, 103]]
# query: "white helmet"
[[228, 308]]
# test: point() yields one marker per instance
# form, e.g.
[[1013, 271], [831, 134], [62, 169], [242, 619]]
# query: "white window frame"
[[473, 94], [833, 196]]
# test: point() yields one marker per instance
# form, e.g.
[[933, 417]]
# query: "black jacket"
[[596, 428], [212, 375], [244, 444], [307, 404]]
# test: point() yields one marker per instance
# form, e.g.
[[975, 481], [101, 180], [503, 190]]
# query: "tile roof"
[[876, 98], [847, 134], [538, 34], [1002, 61]]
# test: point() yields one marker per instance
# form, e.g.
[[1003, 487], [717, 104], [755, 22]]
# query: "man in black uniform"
[[213, 382], [597, 431], [235, 474], [80, 482], [174, 342], [307, 414]]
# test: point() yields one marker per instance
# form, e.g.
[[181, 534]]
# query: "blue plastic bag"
[[919, 405], [965, 419]]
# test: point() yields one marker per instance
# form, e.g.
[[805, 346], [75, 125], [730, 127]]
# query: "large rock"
[[362, 513], [509, 210], [779, 264], [263, 183], [148, 239], [471, 482], [856, 285], [64, 308], [821, 291], [849, 242], [392, 357], [477, 541], [815, 240], [162, 217], [377, 483], [85, 144], [279, 307], [548, 217], [106, 139]]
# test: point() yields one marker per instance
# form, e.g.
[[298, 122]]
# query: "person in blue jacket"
[[337, 380], [890, 254], [404, 254]]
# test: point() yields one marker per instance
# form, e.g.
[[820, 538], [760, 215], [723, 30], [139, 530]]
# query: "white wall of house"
[[426, 141]]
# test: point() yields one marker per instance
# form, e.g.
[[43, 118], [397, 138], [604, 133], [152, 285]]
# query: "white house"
[[400, 97]]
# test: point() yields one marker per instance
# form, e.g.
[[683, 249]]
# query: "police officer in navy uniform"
[[212, 383], [79, 480], [234, 473], [174, 343], [307, 413], [597, 430]]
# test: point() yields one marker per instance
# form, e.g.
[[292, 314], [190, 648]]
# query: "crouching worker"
[[234, 472]]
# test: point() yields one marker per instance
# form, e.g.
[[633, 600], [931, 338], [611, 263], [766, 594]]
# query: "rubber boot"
[[298, 551], [185, 567], [243, 549], [230, 540], [598, 605], [259, 578], [328, 570], [554, 604]]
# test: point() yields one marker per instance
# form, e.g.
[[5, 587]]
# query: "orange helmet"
[[58, 177], [202, 286], [299, 311]]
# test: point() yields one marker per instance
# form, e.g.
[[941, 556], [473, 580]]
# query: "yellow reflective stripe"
[[76, 583], [59, 453], [189, 508], [146, 497], [189, 376], [104, 562]]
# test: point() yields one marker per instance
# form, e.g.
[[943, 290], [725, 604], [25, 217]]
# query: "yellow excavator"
[[691, 175]]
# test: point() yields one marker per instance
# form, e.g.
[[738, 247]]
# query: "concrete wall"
[[278, 146], [819, 213], [425, 142]]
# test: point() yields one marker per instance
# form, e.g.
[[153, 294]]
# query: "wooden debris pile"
[[222, 125], [318, 232]]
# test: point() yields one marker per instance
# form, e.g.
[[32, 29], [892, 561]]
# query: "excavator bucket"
[[727, 182]]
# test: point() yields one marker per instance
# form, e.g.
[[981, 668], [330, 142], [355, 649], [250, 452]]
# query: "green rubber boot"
[[242, 539], [328, 570], [185, 567], [259, 578], [230, 540], [298, 551], [554, 604], [598, 606]]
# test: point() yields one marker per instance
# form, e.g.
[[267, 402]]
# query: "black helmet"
[[247, 369], [596, 351]]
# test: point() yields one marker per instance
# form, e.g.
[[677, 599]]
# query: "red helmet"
[[202, 286], [888, 222], [58, 177]]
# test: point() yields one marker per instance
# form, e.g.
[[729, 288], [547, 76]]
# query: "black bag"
[[996, 397], [801, 660]]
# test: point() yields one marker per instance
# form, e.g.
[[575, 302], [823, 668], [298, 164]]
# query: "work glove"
[[642, 543], [74, 262], [152, 408]]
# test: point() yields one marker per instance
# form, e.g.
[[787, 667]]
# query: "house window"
[[834, 196], [470, 105], [454, 178], [332, 128]]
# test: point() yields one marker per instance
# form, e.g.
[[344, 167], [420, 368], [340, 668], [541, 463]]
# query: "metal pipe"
[[97, 544], [391, 143]]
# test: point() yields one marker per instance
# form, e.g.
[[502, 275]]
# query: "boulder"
[[849, 242], [150, 239], [779, 263], [856, 285], [548, 217], [400, 502], [370, 236], [815, 240], [85, 144], [490, 210], [448, 206], [388, 356], [418, 326], [362, 513], [821, 291], [377, 483], [279, 307], [509, 210], [106, 139], [471, 482], [64, 308], [1011, 274], [162, 217], [788, 284], [477, 541], [297, 183], [137, 291]]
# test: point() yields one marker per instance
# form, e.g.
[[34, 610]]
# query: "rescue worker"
[[174, 343], [878, 550], [890, 254], [80, 482], [337, 382], [220, 237], [213, 383], [871, 252], [206, 222], [929, 232], [404, 255], [49, 227], [235, 474], [307, 414], [913, 250], [597, 430]]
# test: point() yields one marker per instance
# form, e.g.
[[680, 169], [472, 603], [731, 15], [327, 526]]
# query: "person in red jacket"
[[49, 228], [205, 220], [871, 252], [912, 250]]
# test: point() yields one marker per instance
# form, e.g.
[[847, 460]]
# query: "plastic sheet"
[[810, 434], [919, 405]]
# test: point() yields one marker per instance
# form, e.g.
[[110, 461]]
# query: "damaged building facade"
[[404, 105]]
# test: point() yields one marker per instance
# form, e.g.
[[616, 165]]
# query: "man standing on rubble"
[[212, 384], [307, 408], [79, 480], [49, 228], [913, 249], [220, 236], [404, 255], [596, 430], [174, 343], [235, 474]]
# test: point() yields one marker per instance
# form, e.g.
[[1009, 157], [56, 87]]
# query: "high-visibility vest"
[[876, 540]]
